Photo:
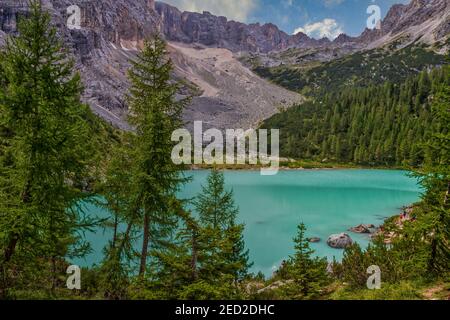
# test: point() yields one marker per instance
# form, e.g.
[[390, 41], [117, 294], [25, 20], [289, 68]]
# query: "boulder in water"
[[339, 241], [362, 228], [314, 239]]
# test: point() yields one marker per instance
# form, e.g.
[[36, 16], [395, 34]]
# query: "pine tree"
[[45, 152], [436, 179], [220, 236], [237, 256], [177, 266], [214, 204], [115, 198], [364, 119], [308, 273], [155, 112]]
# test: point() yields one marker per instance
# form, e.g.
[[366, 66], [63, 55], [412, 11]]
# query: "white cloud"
[[239, 10], [328, 28]]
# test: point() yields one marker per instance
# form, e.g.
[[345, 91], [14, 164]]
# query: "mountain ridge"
[[207, 29], [111, 33]]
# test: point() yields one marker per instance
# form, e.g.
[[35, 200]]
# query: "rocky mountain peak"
[[210, 30], [151, 4], [424, 20], [418, 3], [112, 32], [343, 39]]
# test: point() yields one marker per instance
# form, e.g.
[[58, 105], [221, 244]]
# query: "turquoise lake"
[[327, 201]]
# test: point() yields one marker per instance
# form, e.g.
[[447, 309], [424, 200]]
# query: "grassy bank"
[[298, 165]]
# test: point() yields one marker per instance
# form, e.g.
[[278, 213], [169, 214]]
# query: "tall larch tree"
[[45, 153], [155, 112]]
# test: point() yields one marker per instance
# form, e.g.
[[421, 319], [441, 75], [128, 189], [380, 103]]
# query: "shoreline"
[[292, 168], [287, 164]]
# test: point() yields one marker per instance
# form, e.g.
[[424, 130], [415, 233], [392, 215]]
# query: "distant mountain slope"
[[359, 69], [384, 124], [231, 96], [113, 31], [210, 30], [426, 21]]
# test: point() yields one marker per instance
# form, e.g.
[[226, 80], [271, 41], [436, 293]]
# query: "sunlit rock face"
[[109, 35], [112, 32], [210, 30]]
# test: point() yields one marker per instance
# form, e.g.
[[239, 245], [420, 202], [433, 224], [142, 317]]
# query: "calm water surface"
[[327, 201]]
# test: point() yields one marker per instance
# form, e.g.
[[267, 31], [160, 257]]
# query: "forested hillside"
[[384, 124], [357, 70], [56, 158]]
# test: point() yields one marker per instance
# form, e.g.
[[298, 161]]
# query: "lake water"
[[327, 201]]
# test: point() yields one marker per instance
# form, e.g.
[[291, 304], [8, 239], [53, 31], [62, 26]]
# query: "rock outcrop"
[[339, 241], [363, 228], [111, 32], [314, 240], [210, 30], [109, 35], [425, 21]]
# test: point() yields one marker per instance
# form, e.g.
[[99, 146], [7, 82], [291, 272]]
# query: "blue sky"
[[316, 17]]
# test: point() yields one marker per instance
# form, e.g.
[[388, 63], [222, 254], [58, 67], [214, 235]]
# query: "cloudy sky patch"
[[327, 28], [239, 10], [317, 18]]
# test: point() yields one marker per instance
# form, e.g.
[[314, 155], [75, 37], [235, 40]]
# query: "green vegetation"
[[370, 116], [413, 255], [208, 258], [46, 158], [419, 251], [404, 290], [51, 147], [383, 125], [307, 275], [356, 70], [435, 177]]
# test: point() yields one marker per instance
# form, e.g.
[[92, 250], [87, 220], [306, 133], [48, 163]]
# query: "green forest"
[[381, 125], [371, 67], [56, 155]]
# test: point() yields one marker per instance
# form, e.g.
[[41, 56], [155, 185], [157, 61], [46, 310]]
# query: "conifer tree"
[[308, 273], [177, 266], [155, 112], [214, 204], [435, 177], [378, 125], [220, 234], [45, 152], [116, 199]]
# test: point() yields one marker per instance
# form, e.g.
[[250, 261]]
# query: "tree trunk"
[[14, 237], [116, 226], [447, 195], [432, 261], [194, 257], [145, 245], [54, 280], [11, 248], [126, 237]]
